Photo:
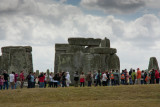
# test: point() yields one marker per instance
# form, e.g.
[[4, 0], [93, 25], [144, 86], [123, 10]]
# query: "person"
[[1, 82], [142, 77], [21, 76], [63, 78], [130, 79], [55, 80], [82, 79], [116, 77], [138, 76], [29, 80], [89, 79], [94, 77], [58, 79], [5, 83], [133, 75], [157, 76], [104, 79], [34, 84], [32, 80], [108, 78], [152, 76], [41, 80], [12, 79], [15, 80], [98, 78], [112, 78], [145, 78], [45, 80], [76, 79], [51, 80], [122, 78], [68, 81], [126, 76]]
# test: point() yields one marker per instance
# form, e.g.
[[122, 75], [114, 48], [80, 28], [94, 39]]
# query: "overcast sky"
[[133, 27]]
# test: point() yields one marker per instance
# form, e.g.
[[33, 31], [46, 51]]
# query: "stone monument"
[[153, 64], [16, 59], [84, 55]]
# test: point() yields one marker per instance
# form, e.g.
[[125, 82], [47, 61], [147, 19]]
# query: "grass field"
[[117, 96]]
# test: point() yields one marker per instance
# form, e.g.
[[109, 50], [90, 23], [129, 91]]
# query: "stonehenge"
[[84, 55]]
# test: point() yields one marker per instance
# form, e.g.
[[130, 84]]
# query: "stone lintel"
[[61, 47], [102, 50], [84, 41]]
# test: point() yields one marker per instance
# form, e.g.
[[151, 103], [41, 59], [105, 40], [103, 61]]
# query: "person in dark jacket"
[[76, 79], [89, 79], [29, 80], [63, 78], [5, 84], [98, 76], [145, 76]]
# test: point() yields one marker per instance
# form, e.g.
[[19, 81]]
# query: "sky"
[[133, 27]]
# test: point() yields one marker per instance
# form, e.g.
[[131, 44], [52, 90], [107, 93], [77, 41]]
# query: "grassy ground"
[[121, 96]]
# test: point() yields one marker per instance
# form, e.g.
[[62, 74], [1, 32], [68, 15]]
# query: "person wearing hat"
[[138, 76]]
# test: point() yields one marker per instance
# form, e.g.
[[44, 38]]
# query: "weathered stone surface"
[[84, 41], [37, 73], [105, 42], [16, 59], [101, 50], [84, 55], [153, 64], [114, 62]]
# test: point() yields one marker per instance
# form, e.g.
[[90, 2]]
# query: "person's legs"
[[83, 84], [22, 82], [0, 87], [15, 85], [157, 81], [99, 82]]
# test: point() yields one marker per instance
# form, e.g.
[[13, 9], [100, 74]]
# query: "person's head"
[[82, 73], [12, 72], [112, 70], [30, 73], [138, 69], [4, 71], [142, 71], [117, 71], [22, 71], [99, 71], [134, 70]]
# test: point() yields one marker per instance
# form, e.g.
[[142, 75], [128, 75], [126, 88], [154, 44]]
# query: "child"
[[1, 82], [82, 79]]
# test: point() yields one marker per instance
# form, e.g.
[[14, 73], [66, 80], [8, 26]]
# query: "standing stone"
[[153, 64], [47, 74], [16, 59], [105, 43]]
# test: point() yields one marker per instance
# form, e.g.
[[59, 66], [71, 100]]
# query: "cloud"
[[41, 24], [114, 6], [120, 6]]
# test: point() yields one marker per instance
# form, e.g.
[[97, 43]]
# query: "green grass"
[[121, 96]]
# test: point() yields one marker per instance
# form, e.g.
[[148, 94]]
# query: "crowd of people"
[[96, 78]]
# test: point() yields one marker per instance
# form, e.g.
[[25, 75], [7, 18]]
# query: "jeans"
[[63, 83], [122, 81], [29, 84], [15, 85], [142, 81], [50, 84], [89, 83], [5, 85], [116, 82], [130, 81], [41, 84]]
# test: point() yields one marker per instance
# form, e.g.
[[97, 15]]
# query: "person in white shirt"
[[11, 76], [68, 81], [51, 80], [104, 79]]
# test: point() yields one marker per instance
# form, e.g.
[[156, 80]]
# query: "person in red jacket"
[[157, 76], [41, 80]]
